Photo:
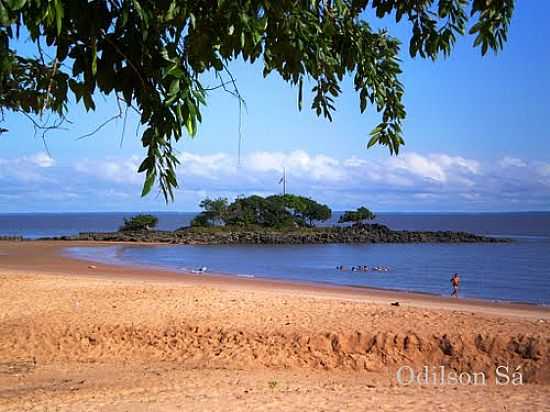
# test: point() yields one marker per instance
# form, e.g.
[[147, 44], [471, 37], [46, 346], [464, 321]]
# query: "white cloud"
[[436, 167], [454, 163], [26, 168], [410, 175], [354, 161], [320, 169], [507, 162], [213, 166], [112, 170], [298, 163], [407, 182], [544, 169], [418, 165], [41, 159]]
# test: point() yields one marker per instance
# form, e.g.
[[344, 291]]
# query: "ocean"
[[516, 272]]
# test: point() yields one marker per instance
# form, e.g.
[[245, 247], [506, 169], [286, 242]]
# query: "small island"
[[276, 219]]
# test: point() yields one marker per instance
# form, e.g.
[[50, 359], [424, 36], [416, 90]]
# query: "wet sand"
[[77, 335]]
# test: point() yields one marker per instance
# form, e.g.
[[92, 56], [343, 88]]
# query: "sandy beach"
[[76, 335]]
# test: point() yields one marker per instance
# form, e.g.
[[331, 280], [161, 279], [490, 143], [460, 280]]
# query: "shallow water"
[[509, 271], [518, 271]]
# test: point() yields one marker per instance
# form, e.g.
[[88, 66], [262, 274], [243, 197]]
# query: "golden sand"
[[76, 336]]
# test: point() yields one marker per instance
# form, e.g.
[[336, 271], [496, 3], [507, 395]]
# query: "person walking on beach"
[[455, 283]]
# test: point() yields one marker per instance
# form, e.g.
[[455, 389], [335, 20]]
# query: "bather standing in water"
[[455, 283]]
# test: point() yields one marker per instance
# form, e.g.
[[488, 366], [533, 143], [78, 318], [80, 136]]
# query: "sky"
[[477, 139]]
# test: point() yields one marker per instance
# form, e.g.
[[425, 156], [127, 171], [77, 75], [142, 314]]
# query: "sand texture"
[[76, 337]]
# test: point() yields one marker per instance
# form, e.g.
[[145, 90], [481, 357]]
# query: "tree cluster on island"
[[277, 219], [139, 223], [358, 216], [276, 211]]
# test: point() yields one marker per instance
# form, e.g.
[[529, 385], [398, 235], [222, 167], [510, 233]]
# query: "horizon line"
[[334, 211]]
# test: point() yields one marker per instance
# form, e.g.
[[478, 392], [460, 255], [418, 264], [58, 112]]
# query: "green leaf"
[[4, 15], [139, 9], [148, 137], [174, 87], [94, 60], [300, 93], [88, 102], [171, 13], [484, 47], [175, 71], [15, 5], [373, 140], [191, 126], [59, 15], [171, 177], [149, 182], [147, 164]]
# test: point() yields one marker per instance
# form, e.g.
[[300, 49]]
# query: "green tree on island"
[[139, 223], [303, 209], [357, 217], [154, 57], [258, 211], [214, 213], [277, 211]]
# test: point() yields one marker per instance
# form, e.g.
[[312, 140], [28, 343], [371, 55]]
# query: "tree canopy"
[[303, 209], [151, 55], [138, 223], [357, 216], [277, 211], [214, 213]]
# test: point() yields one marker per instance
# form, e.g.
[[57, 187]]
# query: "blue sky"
[[477, 139]]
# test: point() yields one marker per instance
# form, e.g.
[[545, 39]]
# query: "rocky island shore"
[[277, 219], [366, 233]]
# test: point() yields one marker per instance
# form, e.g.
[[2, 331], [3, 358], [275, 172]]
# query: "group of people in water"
[[363, 268], [455, 280]]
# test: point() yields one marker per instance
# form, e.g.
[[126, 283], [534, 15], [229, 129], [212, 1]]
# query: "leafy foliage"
[[302, 209], [151, 55], [214, 213], [139, 223], [274, 211], [258, 211], [357, 216]]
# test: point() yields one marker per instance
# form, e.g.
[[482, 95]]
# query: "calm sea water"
[[518, 271], [36, 225]]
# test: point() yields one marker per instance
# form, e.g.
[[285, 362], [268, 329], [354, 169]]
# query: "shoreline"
[[80, 335], [297, 283], [48, 257]]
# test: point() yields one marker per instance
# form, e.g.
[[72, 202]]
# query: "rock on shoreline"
[[373, 233]]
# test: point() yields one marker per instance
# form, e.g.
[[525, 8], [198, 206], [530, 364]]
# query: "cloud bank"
[[409, 182]]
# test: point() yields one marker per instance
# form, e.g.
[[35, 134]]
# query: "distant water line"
[[518, 271]]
